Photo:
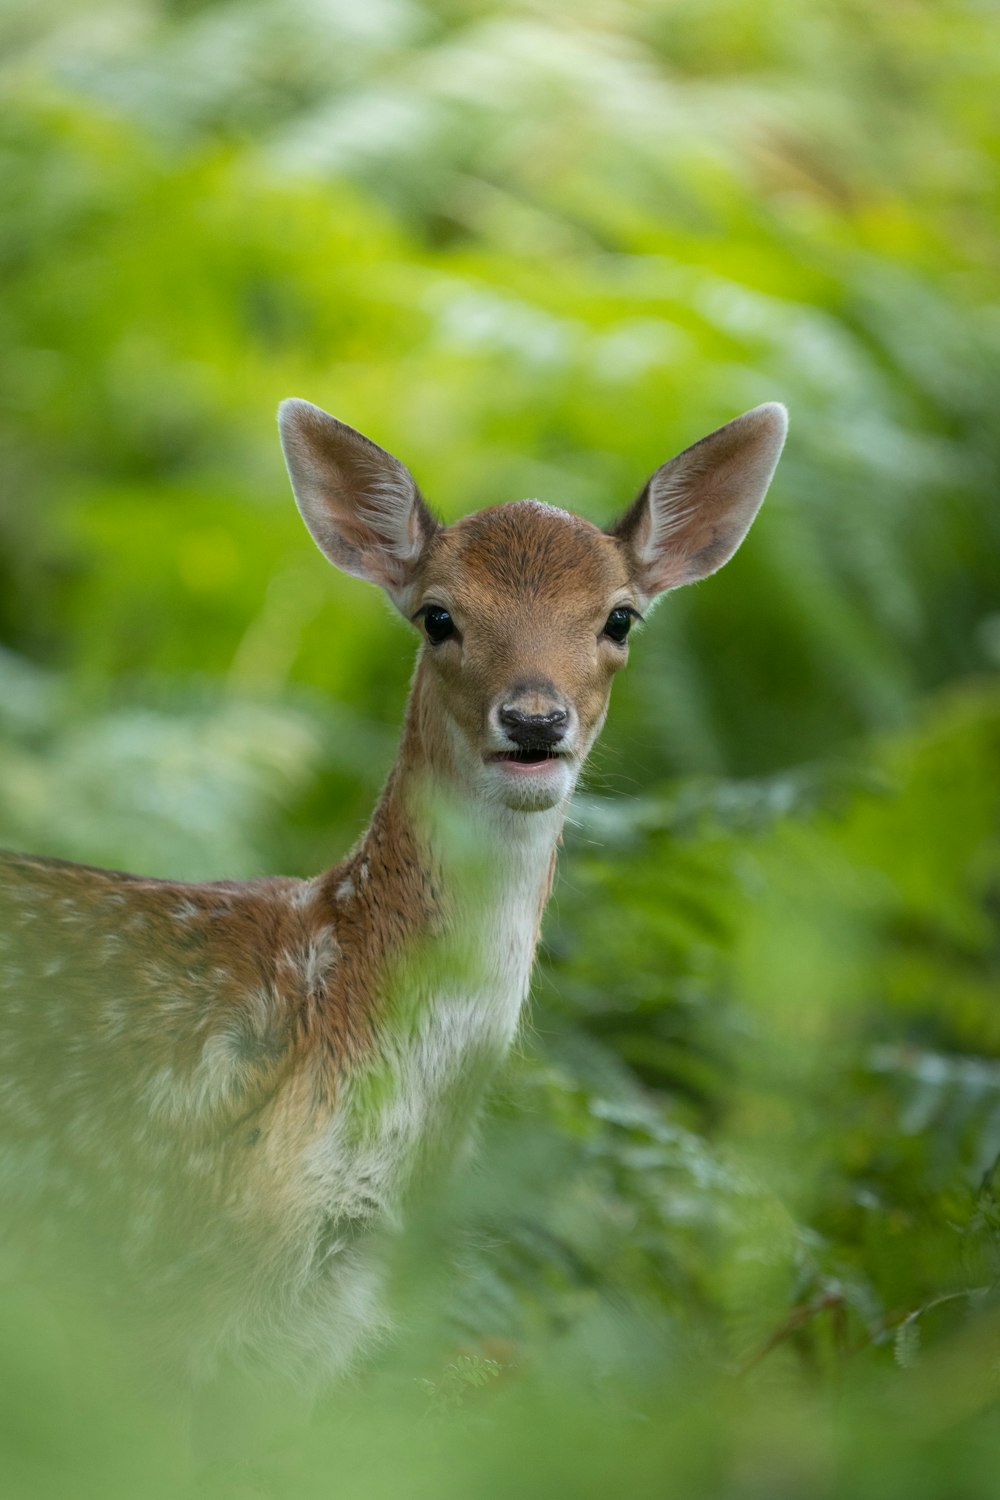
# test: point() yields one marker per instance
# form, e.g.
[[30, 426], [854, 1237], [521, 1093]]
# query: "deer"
[[237, 1086]]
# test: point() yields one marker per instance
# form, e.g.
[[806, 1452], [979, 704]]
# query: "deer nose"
[[533, 729]]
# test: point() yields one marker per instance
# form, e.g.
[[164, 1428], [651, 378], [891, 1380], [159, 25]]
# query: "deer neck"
[[470, 877], [452, 892]]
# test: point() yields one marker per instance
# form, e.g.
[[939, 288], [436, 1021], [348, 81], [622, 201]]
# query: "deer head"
[[524, 609]]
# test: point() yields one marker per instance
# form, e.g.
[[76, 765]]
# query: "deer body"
[[238, 1084]]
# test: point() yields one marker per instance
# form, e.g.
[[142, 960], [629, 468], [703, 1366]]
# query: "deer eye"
[[438, 624], [618, 624]]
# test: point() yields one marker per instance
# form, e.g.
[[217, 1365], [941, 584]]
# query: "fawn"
[[236, 1084]]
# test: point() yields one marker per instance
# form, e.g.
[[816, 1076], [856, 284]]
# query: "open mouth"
[[528, 755]]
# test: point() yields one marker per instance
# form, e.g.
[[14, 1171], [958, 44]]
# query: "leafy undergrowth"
[[732, 1228]]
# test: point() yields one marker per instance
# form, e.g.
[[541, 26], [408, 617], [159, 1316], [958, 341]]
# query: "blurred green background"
[[733, 1228]]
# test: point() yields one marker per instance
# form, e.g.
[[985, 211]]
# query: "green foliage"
[[457, 1381], [733, 1225]]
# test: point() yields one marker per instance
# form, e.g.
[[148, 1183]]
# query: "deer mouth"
[[531, 777], [528, 755]]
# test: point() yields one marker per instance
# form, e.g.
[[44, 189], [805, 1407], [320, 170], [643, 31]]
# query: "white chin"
[[529, 788]]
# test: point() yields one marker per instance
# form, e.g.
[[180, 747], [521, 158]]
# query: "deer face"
[[524, 609], [525, 612]]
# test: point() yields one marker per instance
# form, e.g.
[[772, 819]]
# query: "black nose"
[[534, 729]]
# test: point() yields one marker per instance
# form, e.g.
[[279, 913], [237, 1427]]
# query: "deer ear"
[[361, 505], [696, 509]]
